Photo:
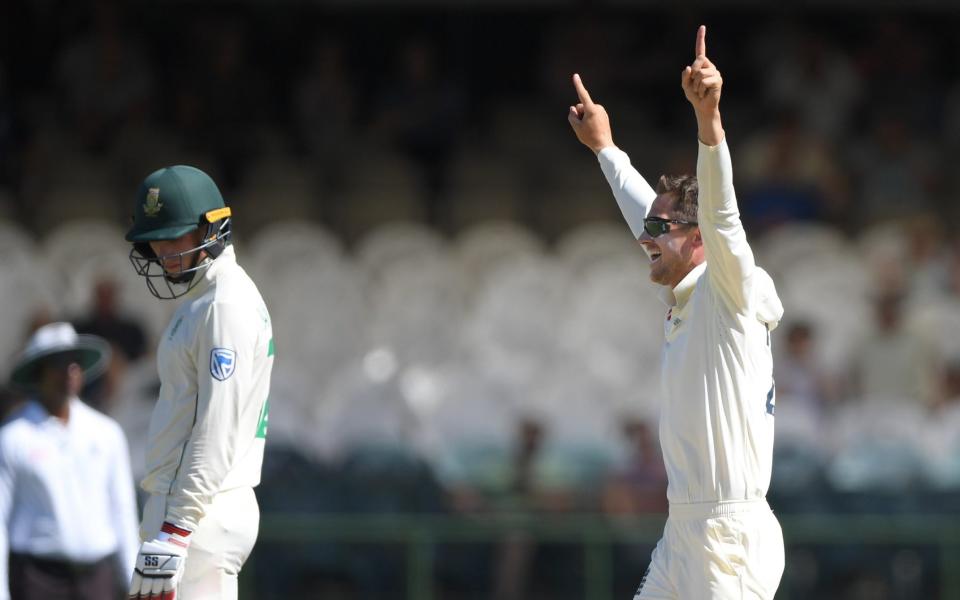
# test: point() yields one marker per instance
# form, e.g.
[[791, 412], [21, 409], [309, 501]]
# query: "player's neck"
[[58, 406]]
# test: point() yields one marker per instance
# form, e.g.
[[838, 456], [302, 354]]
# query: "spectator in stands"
[[422, 114], [928, 256], [106, 81], [898, 169], [790, 175], [899, 64], [325, 107], [126, 336], [517, 552], [69, 516], [892, 363], [641, 485], [226, 98], [526, 453], [951, 383], [799, 376], [814, 79]]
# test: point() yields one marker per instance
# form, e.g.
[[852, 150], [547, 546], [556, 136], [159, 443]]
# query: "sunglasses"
[[655, 226]]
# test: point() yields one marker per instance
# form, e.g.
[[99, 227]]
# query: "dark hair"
[[684, 190]]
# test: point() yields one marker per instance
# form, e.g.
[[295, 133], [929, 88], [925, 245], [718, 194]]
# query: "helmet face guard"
[[168, 286]]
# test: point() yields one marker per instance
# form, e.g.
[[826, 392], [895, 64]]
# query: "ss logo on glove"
[[151, 561]]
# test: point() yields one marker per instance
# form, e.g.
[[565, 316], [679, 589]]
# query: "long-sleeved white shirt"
[[208, 428], [66, 491], [717, 388]]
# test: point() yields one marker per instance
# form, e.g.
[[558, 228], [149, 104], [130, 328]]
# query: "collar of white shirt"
[[220, 263], [35, 411], [679, 295]]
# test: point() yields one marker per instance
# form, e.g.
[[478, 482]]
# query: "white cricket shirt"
[[66, 491], [208, 428], [717, 389]]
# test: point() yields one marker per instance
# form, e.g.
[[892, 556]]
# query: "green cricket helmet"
[[171, 203]]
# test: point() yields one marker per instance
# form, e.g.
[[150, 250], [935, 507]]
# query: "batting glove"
[[160, 565]]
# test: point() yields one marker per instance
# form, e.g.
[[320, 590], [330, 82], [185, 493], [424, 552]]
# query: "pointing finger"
[[581, 90], [701, 41]]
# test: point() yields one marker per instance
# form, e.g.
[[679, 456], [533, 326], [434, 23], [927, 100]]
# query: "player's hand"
[[589, 121], [160, 565], [701, 81]]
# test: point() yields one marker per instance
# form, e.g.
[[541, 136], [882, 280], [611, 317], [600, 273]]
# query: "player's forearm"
[[207, 460], [710, 127], [717, 199], [208, 456], [632, 192], [728, 254]]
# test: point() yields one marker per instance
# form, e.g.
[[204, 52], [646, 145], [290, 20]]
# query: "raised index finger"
[[581, 91], [701, 42]]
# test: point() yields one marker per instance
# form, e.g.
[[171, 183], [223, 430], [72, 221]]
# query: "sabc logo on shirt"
[[223, 362]]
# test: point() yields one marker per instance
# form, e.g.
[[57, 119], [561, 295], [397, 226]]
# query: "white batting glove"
[[160, 565]]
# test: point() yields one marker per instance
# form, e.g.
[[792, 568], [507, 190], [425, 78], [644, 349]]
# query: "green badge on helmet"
[[152, 205]]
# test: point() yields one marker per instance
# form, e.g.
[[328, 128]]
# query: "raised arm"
[[730, 262], [591, 124]]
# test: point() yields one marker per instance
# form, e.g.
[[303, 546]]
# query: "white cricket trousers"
[[221, 544], [716, 551]]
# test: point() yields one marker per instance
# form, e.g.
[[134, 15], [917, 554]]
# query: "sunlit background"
[[465, 393]]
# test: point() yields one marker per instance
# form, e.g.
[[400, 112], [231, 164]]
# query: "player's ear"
[[697, 238]]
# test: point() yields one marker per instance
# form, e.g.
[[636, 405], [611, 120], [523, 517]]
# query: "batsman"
[[207, 431], [721, 540]]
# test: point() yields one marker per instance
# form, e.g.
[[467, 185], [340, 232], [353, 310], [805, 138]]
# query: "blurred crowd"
[[359, 117], [493, 373], [463, 324]]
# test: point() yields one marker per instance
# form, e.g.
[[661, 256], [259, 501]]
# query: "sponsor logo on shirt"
[[223, 362]]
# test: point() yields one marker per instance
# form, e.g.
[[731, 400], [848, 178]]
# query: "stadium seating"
[[413, 360], [596, 243], [16, 243]]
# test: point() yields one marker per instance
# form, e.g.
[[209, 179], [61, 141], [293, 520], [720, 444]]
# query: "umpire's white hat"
[[89, 351]]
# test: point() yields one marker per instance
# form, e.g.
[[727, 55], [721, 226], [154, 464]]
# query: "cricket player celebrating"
[[206, 439], [721, 540]]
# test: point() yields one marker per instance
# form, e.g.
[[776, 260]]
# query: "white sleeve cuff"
[[611, 155]]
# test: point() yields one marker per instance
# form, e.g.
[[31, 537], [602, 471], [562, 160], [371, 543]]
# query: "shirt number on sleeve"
[[264, 420]]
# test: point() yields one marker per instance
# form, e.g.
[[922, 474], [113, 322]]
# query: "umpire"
[[67, 498]]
